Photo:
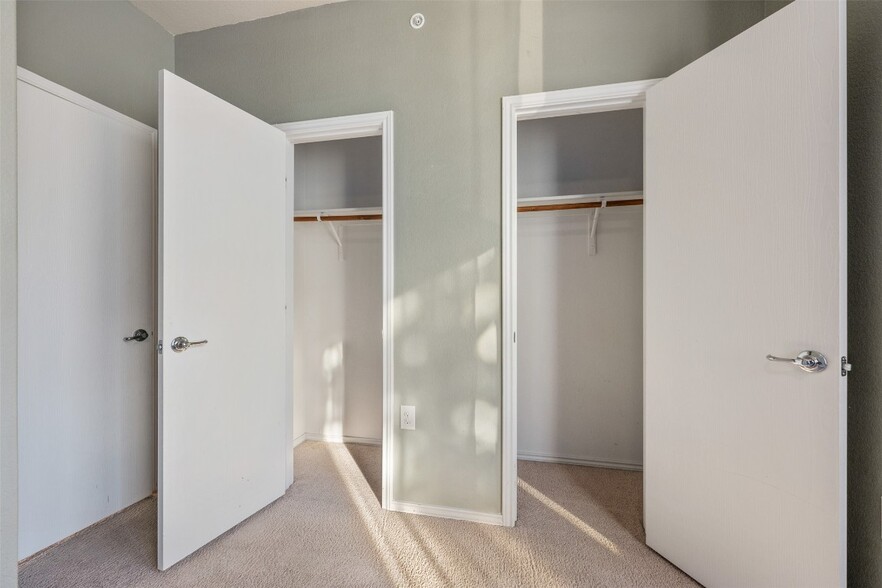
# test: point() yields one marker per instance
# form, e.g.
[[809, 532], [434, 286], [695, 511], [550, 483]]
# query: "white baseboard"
[[299, 440], [446, 513], [580, 461], [342, 439]]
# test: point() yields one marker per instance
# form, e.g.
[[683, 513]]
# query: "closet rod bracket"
[[592, 230], [332, 229]]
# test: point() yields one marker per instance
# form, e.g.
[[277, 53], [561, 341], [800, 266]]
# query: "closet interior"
[[338, 287], [580, 289]]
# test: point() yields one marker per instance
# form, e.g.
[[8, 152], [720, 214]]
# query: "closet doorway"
[[573, 255], [339, 260], [744, 255]]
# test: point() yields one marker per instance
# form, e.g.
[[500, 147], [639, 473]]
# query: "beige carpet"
[[577, 527]]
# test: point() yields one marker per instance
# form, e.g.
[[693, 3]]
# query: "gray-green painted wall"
[[8, 301], [865, 293], [445, 84], [108, 51]]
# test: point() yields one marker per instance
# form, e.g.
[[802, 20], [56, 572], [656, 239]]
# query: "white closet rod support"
[[592, 230], [334, 234]]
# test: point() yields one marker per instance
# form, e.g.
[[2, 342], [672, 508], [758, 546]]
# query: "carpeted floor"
[[576, 526]]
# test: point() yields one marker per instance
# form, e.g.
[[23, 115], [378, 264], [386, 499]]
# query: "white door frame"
[[352, 127], [514, 109]]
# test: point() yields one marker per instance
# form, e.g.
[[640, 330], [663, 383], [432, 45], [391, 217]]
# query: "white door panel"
[[744, 257], [223, 410], [86, 240]]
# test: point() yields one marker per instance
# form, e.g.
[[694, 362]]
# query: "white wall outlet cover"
[[408, 417]]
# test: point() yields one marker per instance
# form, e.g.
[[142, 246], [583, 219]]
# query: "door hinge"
[[159, 347], [846, 367]]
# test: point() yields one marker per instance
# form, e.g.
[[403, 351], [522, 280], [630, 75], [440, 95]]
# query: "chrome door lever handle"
[[139, 335], [180, 344], [810, 361]]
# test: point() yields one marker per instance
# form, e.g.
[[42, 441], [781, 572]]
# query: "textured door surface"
[[223, 445], [87, 399], [745, 256]]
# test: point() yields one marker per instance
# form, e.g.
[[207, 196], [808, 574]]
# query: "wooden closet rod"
[[340, 217], [578, 205], [525, 208]]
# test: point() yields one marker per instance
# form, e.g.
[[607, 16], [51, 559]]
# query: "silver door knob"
[[810, 361], [179, 344]]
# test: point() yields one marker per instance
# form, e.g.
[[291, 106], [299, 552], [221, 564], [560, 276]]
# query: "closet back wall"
[[338, 343], [445, 83], [338, 302], [580, 337]]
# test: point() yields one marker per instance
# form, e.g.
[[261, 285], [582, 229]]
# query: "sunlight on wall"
[[599, 537], [453, 386], [487, 306], [487, 297], [487, 346], [486, 427], [332, 367], [407, 309]]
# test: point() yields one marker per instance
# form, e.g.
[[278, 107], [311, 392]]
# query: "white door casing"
[[331, 129], [575, 101], [744, 257], [222, 418]]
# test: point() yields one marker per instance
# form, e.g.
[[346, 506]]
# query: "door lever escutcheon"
[[809, 361], [139, 335], [180, 344]]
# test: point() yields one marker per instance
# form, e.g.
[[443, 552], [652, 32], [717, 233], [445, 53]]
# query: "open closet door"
[[222, 406], [744, 258]]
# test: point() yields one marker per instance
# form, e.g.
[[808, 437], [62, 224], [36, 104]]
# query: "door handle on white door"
[[810, 361], [180, 344], [139, 335]]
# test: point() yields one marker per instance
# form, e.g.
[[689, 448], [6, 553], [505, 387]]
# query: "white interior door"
[[87, 398], [745, 256], [222, 417]]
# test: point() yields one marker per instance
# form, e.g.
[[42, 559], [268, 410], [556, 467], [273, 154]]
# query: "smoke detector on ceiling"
[[417, 20]]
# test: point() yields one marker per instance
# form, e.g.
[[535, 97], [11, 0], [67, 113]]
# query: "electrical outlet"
[[408, 417]]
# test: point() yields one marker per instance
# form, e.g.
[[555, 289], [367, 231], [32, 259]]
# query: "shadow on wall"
[[864, 292]]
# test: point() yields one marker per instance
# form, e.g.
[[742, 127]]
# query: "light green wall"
[[108, 51], [445, 83], [8, 301], [865, 293]]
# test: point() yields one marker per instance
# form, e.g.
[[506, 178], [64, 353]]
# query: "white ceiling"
[[186, 16]]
